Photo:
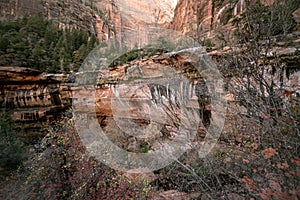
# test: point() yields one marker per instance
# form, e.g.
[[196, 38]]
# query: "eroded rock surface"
[[33, 97], [101, 18], [71, 14], [210, 19]]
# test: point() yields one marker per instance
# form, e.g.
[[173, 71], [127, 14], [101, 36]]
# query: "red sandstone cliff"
[[201, 18], [103, 18]]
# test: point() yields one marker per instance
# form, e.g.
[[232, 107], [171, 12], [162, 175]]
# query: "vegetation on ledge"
[[35, 42]]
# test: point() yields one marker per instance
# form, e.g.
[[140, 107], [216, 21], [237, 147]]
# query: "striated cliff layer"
[[72, 13], [210, 18], [197, 17], [101, 18], [32, 98], [35, 98], [134, 15]]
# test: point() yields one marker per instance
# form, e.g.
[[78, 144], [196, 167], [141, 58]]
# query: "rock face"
[[16, 8], [36, 97], [195, 17], [202, 19], [153, 11], [32, 97], [296, 16], [147, 100], [72, 14], [133, 15], [206, 20], [190, 15], [101, 18]]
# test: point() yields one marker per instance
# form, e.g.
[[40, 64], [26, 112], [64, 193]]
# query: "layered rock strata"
[[34, 97]]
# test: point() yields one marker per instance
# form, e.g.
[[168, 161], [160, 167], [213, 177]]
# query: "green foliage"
[[228, 15], [217, 3], [143, 148], [33, 41], [135, 54], [207, 42], [163, 43], [13, 151]]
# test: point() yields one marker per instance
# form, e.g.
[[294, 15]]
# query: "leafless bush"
[[258, 153]]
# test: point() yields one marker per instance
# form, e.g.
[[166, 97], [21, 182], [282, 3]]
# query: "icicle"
[[167, 88], [243, 5], [190, 90]]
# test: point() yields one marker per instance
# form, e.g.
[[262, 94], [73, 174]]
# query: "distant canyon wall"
[[103, 18], [205, 18], [198, 17], [71, 14], [107, 18]]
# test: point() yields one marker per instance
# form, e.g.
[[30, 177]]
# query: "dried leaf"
[[282, 195], [265, 194], [234, 196], [254, 146], [249, 183], [295, 192], [282, 165], [275, 185], [268, 153], [295, 173], [296, 161], [288, 174]]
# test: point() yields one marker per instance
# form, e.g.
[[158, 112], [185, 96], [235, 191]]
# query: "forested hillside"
[[35, 42]]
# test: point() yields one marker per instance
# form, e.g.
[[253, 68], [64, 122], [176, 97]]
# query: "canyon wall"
[[68, 14], [211, 18], [101, 18], [197, 17], [131, 17], [34, 98]]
